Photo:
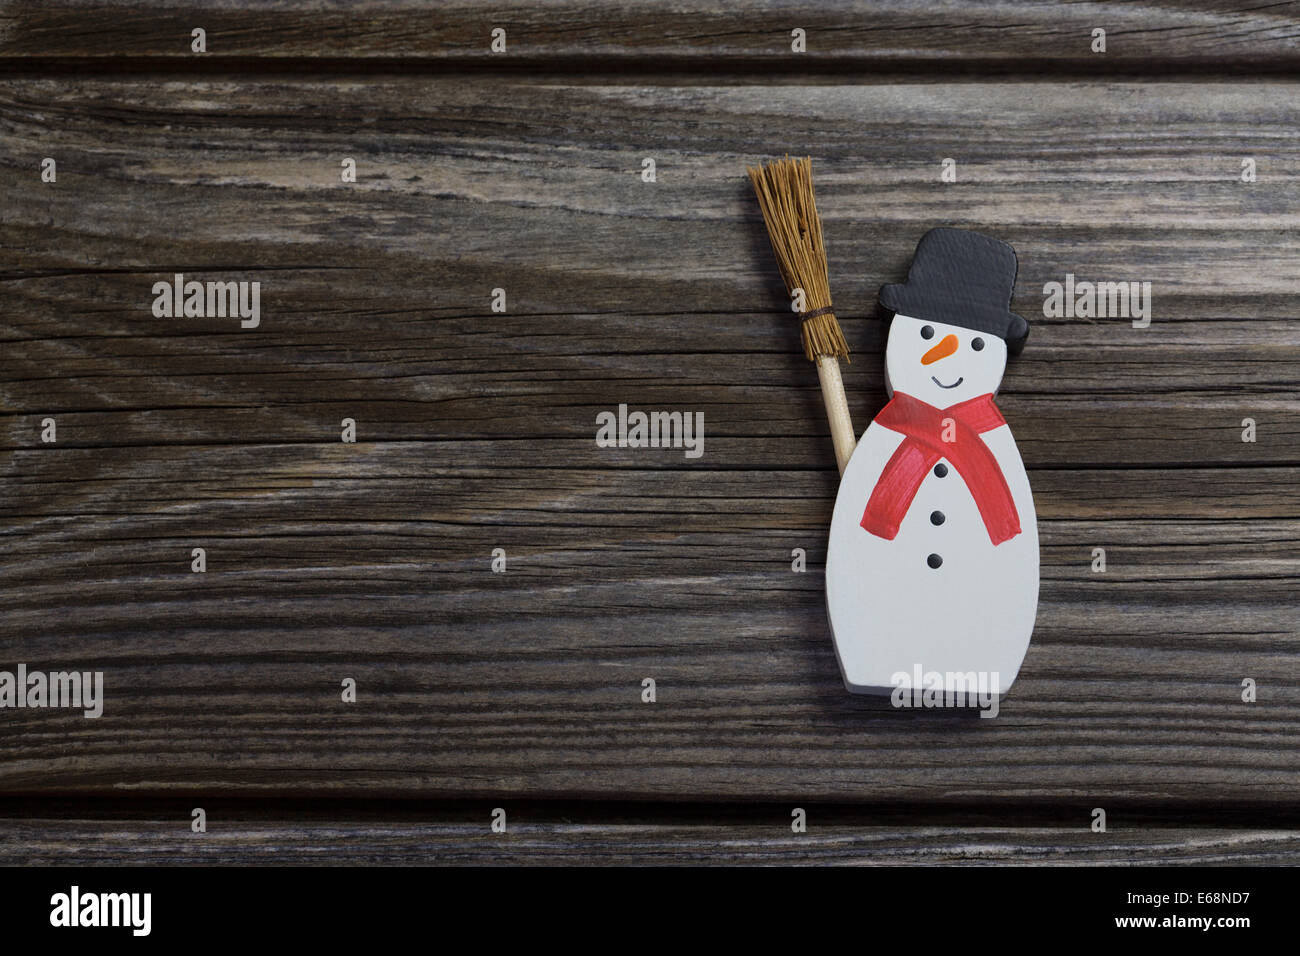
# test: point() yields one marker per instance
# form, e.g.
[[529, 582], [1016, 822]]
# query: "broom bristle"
[[785, 194]]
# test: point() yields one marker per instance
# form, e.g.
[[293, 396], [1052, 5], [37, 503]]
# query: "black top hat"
[[962, 278]]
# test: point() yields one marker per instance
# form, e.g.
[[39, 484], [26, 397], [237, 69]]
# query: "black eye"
[[927, 331], [977, 343]]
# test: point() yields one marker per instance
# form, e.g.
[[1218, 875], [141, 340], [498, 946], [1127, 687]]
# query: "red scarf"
[[923, 424]]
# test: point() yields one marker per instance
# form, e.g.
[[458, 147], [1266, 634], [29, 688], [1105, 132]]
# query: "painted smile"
[[953, 385]]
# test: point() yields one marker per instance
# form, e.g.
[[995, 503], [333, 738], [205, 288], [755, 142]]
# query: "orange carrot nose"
[[945, 348]]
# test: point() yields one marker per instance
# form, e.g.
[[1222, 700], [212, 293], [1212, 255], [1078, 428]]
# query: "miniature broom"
[[785, 194]]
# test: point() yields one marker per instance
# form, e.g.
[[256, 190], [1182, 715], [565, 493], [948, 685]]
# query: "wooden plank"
[[1040, 35], [595, 248], [38, 842], [371, 560]]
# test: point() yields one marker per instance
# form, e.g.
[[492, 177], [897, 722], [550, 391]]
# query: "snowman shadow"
[[850, 709], [932, 718]]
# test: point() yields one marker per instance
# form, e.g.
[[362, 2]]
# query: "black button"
[[977, 344], [934, 560], [936, 517], [940, 470], [927, 331]]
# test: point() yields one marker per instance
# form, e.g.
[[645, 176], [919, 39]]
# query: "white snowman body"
[[939, 597]]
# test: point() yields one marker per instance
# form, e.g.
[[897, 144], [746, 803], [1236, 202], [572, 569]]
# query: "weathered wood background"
[[521, 171]]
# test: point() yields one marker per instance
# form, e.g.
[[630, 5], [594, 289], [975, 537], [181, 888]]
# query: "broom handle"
[[837, 409]]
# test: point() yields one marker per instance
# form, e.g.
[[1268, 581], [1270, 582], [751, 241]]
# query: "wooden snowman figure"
[[932, 567]]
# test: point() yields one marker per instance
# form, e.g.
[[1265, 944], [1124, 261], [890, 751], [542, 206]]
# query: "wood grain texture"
[[1198, 34], [138, 830], [295, 842], [371, 560]]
